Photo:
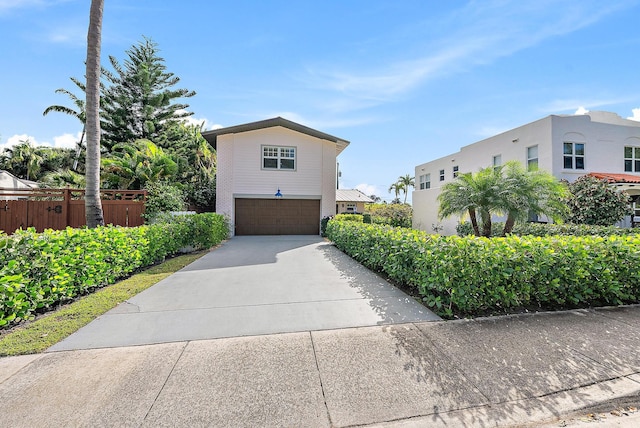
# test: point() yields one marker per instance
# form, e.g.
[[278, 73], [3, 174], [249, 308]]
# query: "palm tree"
[[508, 190], [530, 191], [93, 204], [472, 194], [25, 158], [79, 113], [406, 181], [396, 188]]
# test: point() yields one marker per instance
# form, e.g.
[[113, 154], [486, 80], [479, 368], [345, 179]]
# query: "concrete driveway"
[[254, 285]]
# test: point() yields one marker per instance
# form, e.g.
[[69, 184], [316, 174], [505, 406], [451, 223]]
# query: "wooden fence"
[[59, 208]]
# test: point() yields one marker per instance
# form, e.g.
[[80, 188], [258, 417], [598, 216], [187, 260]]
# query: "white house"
[[351, 201], [275, 176], [567, 146], [9, 184]]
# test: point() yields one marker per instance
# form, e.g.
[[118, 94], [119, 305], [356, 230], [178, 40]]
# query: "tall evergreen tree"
[[140, 99]]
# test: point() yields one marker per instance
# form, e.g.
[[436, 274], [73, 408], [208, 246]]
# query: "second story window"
[[632, 159], [442, 175], [573, 155], [278, 157], [532, 158], [497, 161], [455, 171], [425, 181]]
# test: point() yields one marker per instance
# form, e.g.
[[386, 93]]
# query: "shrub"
[[163, 197], [592, 201], [39, 270], [392, 214], [358, 218], [472, 276], [323, 225], [550, 229]]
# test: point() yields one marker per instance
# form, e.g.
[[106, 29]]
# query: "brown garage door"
[[277, 216]]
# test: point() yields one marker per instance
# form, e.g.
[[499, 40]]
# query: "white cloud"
[[67, 141], [208, 125], [636, 114], [369, 189], [63, 141], [581, 110], [564, 105]]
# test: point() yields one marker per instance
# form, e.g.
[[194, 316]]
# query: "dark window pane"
[[627, 165], [579, 162], [637, 152], [568, 162], [270, 163], [637, 165], [428, 185], [568, 148], [287, 164], [628, 152], [579, 149]]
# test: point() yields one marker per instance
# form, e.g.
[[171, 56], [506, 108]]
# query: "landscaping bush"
[[39, 270], [392, 214], [549, 229], [358, 218], [468, 276]]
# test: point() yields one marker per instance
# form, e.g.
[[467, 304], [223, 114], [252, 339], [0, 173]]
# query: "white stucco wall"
[[604, 134], [240, 173]]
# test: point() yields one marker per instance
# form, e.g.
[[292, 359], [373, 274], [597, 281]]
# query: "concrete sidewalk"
[[502, 371], [254, 285]]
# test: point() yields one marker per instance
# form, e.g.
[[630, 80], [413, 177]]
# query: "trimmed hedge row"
[[39, 270], [545, 229], [467, 276]]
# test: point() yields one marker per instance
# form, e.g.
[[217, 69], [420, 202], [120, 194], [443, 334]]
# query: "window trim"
[[530, 159], [456, 170], [278, 158], [573, 156], [425, 181], [441, 174], [635, 160]]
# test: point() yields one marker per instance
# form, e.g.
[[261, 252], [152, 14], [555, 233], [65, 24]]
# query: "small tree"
[[592, 201], [406, 181]]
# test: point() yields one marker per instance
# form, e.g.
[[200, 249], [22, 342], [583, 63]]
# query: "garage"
[[277, 216]]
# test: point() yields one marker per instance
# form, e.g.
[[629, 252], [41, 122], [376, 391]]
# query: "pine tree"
[[139, 99]]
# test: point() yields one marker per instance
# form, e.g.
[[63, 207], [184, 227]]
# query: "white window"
[[425, 181], [573, 155], [351, 207], [532, 158], [442, 175], [632, 159], [455, 171], [278, 157], [497, 161]]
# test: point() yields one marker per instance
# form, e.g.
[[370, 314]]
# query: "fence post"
[[67, 204]]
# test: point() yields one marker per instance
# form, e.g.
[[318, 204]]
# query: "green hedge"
[[545, 229], [468, 276], [39, 270]]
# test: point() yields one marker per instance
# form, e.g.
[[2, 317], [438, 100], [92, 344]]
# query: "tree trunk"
[[93, 205], [474, 221], [508, 225], [486, 224]]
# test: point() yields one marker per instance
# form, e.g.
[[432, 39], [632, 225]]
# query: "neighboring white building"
[[9, 183], [351, 201], [567, 146], [275, 177]]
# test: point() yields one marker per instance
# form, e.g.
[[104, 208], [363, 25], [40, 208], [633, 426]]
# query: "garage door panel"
[[277, 216]]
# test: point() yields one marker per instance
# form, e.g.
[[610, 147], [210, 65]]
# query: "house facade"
[[275, 177], [567, 146], [351, 201], [9, 183]]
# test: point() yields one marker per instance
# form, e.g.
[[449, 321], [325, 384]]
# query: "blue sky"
[[405, 81]]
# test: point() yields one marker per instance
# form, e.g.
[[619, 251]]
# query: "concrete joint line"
[[164, 384], [324, 397], [604, 315]]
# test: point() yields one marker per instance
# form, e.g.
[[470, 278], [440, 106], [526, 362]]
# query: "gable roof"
[[211, 136], [616, 178], [352, 195], [13, 182]]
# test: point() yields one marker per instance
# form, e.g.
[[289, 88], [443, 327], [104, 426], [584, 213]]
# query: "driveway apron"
[[254, 285]]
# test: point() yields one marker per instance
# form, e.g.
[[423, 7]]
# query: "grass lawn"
[[48, 329]]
